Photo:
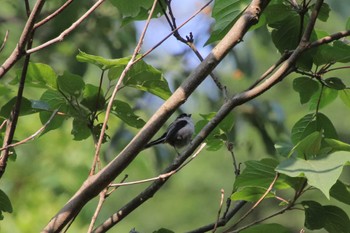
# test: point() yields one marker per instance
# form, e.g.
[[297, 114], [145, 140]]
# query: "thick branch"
[[98, 182]]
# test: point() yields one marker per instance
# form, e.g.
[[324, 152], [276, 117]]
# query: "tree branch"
[[67, 31], [96, 183], [19, 51]]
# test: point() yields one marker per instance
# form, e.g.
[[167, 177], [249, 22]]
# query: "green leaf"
[[337, 221], [289, 25], [217, 137], [310, 145], [138, 11], [71, 84], [341, 192], [39, 75], [337, 51], [314, 215], [101, 62], [5, 204], [266, 228], [80, 129], [347, 26], [225, 14], [306, 87], [283, 148], [345, 96], [261, 174], [278, 12], [163, 230], [56, 101], [311, 123], [25, 109], [145, 77], [251, 194], [337, 145], [324, 12], [327, 97], [335, 83], [93, 98], [123, 111], [322, 172]]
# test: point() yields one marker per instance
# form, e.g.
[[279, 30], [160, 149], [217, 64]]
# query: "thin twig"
[[173, 31], [219, 211], [117, 86], [33, 135], [189, 42], [4, 41], [165, 175], [268, 190], [67, 31], [54, 14]]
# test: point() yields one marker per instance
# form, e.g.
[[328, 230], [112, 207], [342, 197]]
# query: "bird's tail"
[[155, 142]]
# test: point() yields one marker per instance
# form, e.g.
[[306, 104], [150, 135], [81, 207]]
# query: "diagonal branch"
[[96, 183]]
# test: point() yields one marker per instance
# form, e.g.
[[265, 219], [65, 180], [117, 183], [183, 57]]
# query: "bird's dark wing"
[[173, 129]]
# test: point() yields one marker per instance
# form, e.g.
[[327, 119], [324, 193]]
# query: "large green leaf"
[[267, 228], [123, 111], [331, 218], [261, 174], [71, 84], [225, 14], [143, 77], [306, 87], [39, 75], [322, 172], [101, 62]]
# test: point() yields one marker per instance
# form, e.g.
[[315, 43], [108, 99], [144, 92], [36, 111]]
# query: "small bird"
[[178, 134]]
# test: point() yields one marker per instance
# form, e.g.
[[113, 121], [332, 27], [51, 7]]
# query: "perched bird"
[[178, 134]]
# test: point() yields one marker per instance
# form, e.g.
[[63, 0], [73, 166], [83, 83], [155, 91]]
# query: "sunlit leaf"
[[143, 77], [322, 172], [225, 14], [101, 62]]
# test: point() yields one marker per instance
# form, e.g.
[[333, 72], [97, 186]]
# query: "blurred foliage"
[[49, 170]]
